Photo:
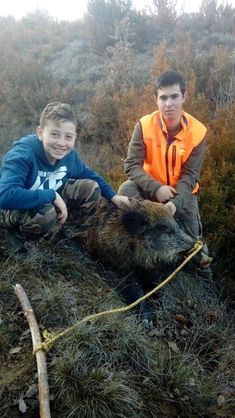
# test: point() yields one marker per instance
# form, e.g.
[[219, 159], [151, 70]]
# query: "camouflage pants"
[[188, 219], [80, 197]]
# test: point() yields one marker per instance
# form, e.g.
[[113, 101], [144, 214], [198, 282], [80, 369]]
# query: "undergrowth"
[[113, 367]]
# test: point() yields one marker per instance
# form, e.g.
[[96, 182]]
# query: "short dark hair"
[[58, 112], [169, 78]]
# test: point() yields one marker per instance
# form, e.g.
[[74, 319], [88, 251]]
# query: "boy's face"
[[57, 141], [170, 101]]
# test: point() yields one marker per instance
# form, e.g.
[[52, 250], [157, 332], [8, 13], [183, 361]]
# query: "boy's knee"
[[130, 189], [90, 190], [81, 190], [39, 222]]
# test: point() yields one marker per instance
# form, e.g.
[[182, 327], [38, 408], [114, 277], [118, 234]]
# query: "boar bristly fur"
[[142, 236], [142, 242]]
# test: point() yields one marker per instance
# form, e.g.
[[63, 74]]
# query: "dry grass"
[[113, 367]]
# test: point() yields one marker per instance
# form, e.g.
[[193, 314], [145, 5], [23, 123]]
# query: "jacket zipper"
[[167, 167], [173, 159]]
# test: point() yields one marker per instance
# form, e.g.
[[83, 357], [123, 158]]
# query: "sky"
[[72, 10]]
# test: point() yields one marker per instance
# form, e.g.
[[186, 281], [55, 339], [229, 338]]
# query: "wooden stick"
[[43, 387]]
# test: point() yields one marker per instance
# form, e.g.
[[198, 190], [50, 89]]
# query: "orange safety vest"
[[164, 162]]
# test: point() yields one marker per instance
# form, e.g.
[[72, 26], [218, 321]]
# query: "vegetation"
[[113, 367], [105, 65]]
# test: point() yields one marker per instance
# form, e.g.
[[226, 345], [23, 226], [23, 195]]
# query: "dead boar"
[[144, 239]]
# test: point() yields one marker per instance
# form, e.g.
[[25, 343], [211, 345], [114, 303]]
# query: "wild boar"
[[143, 239]]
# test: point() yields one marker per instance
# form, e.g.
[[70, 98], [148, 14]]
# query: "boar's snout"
[[205, 260], [200, 260]]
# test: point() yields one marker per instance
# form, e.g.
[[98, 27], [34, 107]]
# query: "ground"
[[113, 367]]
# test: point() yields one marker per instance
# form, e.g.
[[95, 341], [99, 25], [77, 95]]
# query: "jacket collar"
[[183, 122]]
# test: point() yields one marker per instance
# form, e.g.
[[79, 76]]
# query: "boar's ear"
[[136, 223]]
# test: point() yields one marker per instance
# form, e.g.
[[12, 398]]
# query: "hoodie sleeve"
[[15, 171], [82, 171]]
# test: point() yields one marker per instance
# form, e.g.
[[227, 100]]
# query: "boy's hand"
[[61, 208], [121, 201], [165, 193]]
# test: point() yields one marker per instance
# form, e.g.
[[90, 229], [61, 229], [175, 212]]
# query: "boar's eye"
[[165, 228], [136, 223]]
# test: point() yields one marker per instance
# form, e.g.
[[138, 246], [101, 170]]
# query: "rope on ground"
[[50, 338]]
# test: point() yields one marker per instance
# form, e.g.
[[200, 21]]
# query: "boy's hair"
[[57, 112], [169, 78]]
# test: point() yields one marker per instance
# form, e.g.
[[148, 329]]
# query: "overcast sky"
[[72, 10]]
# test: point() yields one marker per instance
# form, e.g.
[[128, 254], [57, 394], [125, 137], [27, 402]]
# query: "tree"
[[161, 60], [100, 21], [226, 19], [208, 10], [165, 12], [120, 69]]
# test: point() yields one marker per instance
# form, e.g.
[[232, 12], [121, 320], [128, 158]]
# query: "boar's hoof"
[[146, 315], [147, 324]]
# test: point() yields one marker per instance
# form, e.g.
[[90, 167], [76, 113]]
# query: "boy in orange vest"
[[165, 155]]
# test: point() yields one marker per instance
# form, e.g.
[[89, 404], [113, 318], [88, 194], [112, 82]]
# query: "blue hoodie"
[[28, 180]]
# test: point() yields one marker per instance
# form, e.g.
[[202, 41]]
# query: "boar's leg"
[[131, 291]]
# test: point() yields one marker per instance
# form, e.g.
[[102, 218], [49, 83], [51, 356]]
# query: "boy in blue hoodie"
[[44, 183]]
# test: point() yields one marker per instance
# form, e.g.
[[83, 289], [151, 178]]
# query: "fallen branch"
[[43, 387]]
